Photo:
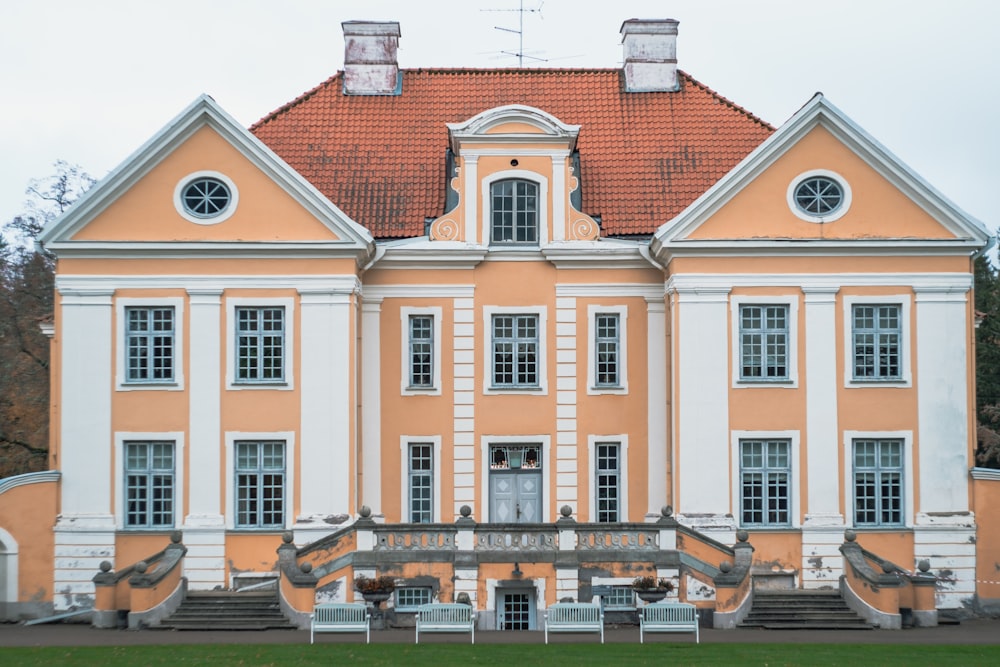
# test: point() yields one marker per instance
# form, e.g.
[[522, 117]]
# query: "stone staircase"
[[228, 610], [802, 610]]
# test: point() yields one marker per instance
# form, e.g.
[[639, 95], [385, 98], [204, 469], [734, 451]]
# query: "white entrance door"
[[516, 610]]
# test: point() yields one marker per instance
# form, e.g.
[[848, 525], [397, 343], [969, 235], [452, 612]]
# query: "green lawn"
[[508, 655]]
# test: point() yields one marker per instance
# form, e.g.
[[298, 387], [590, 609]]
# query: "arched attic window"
[[514, 212]]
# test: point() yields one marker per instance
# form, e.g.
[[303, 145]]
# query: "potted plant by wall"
[[651, 589], [375, 590]]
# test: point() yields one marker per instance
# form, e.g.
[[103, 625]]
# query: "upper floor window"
[[763, 342], [421, 480], [260, 484], [608, 482], [515, 351], [878, 482], [149, 344], [514, 211], [421, 350], [260, 344], [608, 344], [149, 484], [877, 340]]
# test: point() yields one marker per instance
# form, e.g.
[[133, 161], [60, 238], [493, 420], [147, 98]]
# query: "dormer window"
[[514, 211]]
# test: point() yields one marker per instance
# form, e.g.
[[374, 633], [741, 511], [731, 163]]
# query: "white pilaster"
[[327, 349], [822, 446], [371, 409], [470, 174], [942, 399], [656, 408], [464, 420], [567, 439], [559, 197], [702, 399], [85, 529]]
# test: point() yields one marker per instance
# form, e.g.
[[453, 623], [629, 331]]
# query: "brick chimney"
[[370, 66], [650, 47]]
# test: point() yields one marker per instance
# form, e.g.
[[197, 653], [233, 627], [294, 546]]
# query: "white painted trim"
[[334, 283], [548, 468], [657, 406], [9, 558], [822, 503], [288, 303], [908, 481], [792, 302], [9, 483], [404, 316], [592, 312], [795, 483], [905, 301], [371, 404], [180, 490], [717, 281], [542, 313], [225, 214], [204, 413], [620, 439], [845, 203], [652, 291], [290, 474], [988, 474], [121, 324], [371, 292], [487, 208], [404, 475]]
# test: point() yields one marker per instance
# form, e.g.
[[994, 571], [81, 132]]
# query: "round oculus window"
[[206, 197], [818, 196]]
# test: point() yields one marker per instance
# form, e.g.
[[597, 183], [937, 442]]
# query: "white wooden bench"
[[668, 617], [340, 617], [574, 617], [446, 617]]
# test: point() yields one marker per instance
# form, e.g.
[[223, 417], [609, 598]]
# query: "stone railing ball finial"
[[175, 537], [667, 511], [306, 567], [850, 535], [465, 511], [105, 566], [287, 537], [566, 511], [141, 567], [726, 567], [742, 535], [924, 565], [888, 567], [365, 511]]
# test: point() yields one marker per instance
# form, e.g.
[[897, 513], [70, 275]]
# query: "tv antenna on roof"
[[521, 11]]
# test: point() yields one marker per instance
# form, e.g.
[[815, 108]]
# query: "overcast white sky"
[[90, 81]]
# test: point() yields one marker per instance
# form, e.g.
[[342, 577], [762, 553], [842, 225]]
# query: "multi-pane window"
[[619, 597], [515, 350], [408, 598], [260, 484], [514, 212], [421, 481], [260, 344], [149, 484], [608, 480], [765, 473], [608, 345], [421, 350], [878, 336], [878, 482], [763, 342], [149, 344]]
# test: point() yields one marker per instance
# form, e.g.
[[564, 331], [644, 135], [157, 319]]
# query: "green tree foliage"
[[26, 293], [987, 290]]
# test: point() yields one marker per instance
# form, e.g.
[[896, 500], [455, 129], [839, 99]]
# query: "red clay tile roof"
[[643, 156]]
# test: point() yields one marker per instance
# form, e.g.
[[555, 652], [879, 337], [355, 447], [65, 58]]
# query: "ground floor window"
[[149, 484], [765, 474], [878, 482], [260, 484], [619, 597], [408, 598]]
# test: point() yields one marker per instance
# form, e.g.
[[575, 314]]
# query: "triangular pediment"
[[881, 203], [141, 207]]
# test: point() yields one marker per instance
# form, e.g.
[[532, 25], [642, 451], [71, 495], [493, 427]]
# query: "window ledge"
[[259, 385], [147, 386]]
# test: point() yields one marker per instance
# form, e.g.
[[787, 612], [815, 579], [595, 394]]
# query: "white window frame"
[[905, 302], [410, 607], [792, 303], [288, 303], [120, 438], [121, 354], [234, 198], [404, 469], [548, 463], [487, 209], [615, 581], [593, 311], [541, 312], [232, 437], [841, 211], [404, 384], [908, 481], [794, 483], [620, 439]]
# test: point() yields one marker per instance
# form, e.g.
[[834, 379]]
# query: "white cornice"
[[80, 283], [378, 292], [29, 478], [477, 128], [985, 474], [813, 281], [602, 290]]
